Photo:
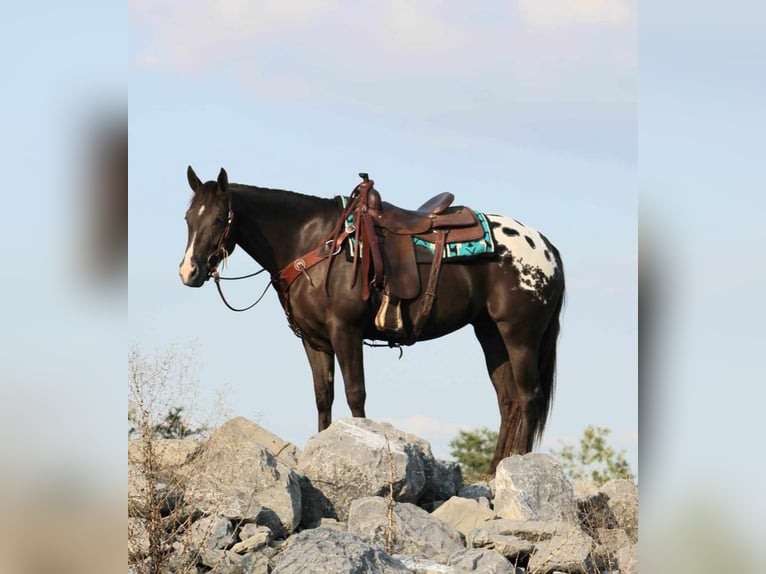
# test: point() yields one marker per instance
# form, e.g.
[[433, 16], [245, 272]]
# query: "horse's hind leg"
[[501, 374], [323, 371]]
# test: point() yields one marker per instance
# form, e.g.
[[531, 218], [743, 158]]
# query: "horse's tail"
[[547, 360]]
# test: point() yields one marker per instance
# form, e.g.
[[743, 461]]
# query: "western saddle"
[[389, 256], [383, 246]]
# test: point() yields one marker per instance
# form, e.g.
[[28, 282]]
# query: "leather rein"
[[221, 254]]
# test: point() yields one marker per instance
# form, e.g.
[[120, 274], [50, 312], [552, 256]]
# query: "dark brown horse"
[[512, 296]]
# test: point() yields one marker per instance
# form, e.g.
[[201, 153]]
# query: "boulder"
[[464, 514], [252, 539], [567, 550], [480, 560], [627, 559], [414, 532], [533, 487], [622, 498], [424, 565], [235, 476], [476, 491], [324, 550], [515, 539], [248, 431], [212, 532], [443, 479], [355, 458]]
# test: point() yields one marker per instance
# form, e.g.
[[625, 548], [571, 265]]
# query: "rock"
[[212, 532], [568, 549], [510, 546], [350, 460], [251, 529], [627, 559], [237, 477], [475, 491], [315, 506], [256, 563], [516, 539], [424, 565], [614, 538], [415, 532], [222, 561], [248, 431], [464, 514], [332, 523], [533, 487], [594, 513], [482, 561], [252, 541], [623, 502], [443, 480], [327, 550]]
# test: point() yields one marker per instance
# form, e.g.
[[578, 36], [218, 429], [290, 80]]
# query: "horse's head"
[[209, 221]]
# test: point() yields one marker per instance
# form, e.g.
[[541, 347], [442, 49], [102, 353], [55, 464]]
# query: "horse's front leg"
[[347, 342], [323, 370]]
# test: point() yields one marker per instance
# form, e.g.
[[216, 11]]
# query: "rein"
[[217, 278], [222, 254]]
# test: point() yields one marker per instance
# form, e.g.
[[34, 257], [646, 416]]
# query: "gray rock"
[[256, 563], [443, 479], [623, 502], [509, 546], [627, 559], [350, 460], [482, 561], [464, 514], [415, 532], [252, 529], [614, 538], [516, 539], [212, 532], [252, 541], [331, 551], [594, 513], [222, 561], [475, 491], [248, 431], [533, 487], [234, 476], [568, 550], [424, 565]]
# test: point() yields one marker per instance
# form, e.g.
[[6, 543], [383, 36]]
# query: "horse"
[[512, 296]]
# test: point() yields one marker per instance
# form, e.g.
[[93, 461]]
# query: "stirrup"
[[389, 316]]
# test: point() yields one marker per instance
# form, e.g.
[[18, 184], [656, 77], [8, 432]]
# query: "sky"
[[527, 108]]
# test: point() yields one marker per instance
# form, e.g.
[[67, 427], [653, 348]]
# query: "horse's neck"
[[276, 227]]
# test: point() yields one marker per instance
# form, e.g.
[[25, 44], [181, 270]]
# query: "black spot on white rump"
[[510, 232], [529, 240]]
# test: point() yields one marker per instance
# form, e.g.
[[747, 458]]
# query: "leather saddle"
[[436, 221]]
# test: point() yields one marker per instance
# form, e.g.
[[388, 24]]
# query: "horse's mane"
[[209, 191]]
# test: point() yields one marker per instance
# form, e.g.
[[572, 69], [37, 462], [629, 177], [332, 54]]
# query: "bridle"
[[220, 254]]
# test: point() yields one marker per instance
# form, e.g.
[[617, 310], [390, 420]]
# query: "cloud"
[[553, 14], [513, 72]]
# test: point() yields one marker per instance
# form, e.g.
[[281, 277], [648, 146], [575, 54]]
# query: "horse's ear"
[[223, 182], [194, 181]]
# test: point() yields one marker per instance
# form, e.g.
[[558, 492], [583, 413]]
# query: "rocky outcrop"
[[356, 458], [333, 551], [413, 531], [247, 502], [533, 487], [235, 476]]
